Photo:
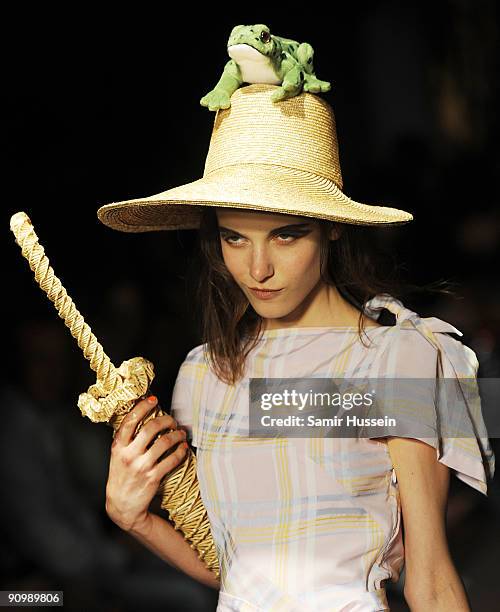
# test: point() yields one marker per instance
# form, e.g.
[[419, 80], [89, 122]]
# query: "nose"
[[261, 266]]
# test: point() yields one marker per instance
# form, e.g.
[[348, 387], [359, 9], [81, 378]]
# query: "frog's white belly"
[[254, 67]]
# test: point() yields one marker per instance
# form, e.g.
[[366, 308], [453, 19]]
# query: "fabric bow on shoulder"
[[456, 420]]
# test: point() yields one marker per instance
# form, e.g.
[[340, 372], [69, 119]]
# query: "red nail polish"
[[152, 399]]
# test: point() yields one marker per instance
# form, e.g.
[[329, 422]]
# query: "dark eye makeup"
[[295, 230], [227, 236]]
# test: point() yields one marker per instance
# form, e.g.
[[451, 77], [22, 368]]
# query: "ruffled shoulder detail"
[[460, 435], [406, 317]]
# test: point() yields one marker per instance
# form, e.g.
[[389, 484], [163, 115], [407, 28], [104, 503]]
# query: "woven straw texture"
[[280, 157], [115, 394]]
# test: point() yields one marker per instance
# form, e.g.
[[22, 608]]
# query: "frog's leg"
[[220, 95], [314, 85], [305, 57], [291, 84]]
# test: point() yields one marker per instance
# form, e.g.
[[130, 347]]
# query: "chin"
[[271, 311]]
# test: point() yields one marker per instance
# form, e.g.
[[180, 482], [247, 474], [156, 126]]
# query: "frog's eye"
[[265, 36]]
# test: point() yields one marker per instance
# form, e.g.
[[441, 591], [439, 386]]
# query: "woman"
[[299, 523]]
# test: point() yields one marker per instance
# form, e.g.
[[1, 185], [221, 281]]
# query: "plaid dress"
[[312, 524]]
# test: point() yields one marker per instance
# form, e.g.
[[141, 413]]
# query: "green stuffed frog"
[[257, 56]]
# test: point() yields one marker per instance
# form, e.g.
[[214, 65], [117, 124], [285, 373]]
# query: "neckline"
[[282, 331]]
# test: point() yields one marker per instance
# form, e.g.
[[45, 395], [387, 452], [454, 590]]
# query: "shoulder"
[[419, 336], [419, 349], [409, 353], [464, 358], [193, 364], [195, 354], [412, 340]]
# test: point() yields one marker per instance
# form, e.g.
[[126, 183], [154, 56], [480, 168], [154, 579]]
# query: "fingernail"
[[185, 444], [152, 398]]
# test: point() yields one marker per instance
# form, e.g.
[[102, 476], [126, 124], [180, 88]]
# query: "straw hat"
[[281, 157]]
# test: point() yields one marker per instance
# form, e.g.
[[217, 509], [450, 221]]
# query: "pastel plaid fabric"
[[313, 524]]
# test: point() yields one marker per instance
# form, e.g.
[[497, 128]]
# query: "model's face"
[[271, 251]]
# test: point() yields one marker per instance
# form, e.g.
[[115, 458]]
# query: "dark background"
[[103, 108]]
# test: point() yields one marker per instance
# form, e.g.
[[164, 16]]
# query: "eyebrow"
[[276, 230]]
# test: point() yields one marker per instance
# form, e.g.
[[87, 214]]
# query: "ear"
[[335, 231]]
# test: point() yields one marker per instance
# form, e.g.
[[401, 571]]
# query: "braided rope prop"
[[115, 393]]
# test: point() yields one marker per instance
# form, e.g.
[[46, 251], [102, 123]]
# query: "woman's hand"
[[134, 474]]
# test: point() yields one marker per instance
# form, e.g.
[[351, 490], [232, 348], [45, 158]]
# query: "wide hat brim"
[[277, 157], [259, 187]]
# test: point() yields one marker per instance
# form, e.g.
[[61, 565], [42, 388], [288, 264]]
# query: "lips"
[[259, 289], [265, 294]]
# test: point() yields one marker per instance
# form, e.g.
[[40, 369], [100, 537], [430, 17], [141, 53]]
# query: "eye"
[[265, 36], [284, 238], [292, 236], [229, 240]]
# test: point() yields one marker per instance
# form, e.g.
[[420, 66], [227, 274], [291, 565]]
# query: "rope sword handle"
[[26, 238], [115, 392]]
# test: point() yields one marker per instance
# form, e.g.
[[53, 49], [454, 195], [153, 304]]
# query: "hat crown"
[[298, 133], [280, 157]]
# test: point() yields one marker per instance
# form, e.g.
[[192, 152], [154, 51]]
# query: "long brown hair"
[[229, 325]]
